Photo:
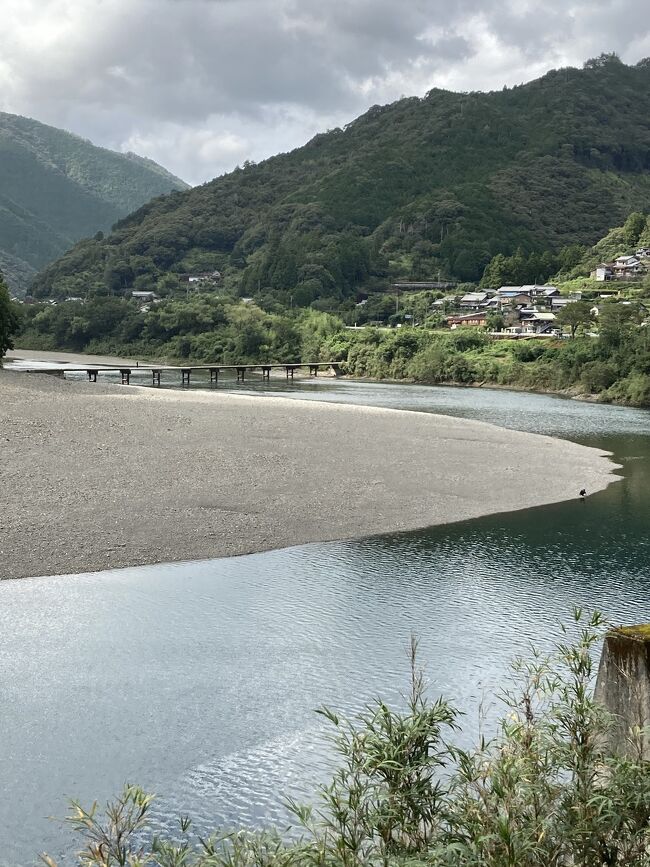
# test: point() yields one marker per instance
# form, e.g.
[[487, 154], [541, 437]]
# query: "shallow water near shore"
[[199, 680]]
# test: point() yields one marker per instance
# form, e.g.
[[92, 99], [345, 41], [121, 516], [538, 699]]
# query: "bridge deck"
[[125, 370], [82, 368]]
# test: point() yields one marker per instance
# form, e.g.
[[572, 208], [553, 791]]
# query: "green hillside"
[[56, 188], [416, 189], [605, 351]]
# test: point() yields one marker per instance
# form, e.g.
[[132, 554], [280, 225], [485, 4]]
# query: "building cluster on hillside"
[[631, 266], [525, 309], [200, 278]]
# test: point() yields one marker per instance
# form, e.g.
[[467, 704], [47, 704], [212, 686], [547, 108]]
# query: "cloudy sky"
[[202, 85]]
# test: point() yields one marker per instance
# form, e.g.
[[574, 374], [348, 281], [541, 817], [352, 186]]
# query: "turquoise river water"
[[199, 680]]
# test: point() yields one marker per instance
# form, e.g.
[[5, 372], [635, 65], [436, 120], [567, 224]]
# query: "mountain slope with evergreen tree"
[[418, 189], [56, 188]]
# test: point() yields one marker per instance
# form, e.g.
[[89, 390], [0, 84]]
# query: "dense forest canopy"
[[420, 189], [56, 188]]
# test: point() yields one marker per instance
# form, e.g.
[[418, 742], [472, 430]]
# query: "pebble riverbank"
[[96, 476]]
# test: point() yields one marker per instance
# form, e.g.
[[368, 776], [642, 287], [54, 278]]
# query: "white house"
[[197, 278], [603, 272], [627, 267]]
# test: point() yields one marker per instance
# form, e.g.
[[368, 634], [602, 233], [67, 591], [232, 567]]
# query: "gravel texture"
[[96, 476]]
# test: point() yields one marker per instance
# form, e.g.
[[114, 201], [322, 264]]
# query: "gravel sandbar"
[[96, 476]]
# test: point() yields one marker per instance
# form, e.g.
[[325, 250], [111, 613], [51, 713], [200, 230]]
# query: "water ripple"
[[199, 680]]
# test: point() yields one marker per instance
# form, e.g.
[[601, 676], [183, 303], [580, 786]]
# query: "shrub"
[[430, 365], [542, 793], [634, 389], [596, 376]]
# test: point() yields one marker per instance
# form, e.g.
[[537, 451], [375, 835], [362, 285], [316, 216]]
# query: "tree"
[[574, 315], [571, 256], [9, 319], [496, 321], [633, 227], [168, 284], [617, 325], [496, 272]]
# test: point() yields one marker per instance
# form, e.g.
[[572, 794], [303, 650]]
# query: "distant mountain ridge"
[[424, 188], [56, 188]]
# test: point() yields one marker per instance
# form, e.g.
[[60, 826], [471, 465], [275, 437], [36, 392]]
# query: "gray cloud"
[[201, 85]]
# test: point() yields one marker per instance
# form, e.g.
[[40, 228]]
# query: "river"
[[199, 680]]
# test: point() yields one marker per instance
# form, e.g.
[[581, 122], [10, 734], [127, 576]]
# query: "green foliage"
[[618, 241], [201, 327], [634, 389], [575, 315], [597, 376], [10, 319], [56, 188], [204, 327], [633, 227], [609, 354], [543, 792], [423, 188], [519, 269]]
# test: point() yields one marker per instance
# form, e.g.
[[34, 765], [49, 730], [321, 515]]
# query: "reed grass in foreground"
[[543, 793]]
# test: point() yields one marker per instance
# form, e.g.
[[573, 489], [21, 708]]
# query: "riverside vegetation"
[[607, 357], [544, 792], [10, 320]]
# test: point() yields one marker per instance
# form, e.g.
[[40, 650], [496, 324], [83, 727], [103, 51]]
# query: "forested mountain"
[[56, 188], [416, 189]]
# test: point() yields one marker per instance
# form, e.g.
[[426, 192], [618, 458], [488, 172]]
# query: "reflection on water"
[[199, 680]]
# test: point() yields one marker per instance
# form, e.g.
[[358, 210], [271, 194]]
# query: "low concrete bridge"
[[93, 370]]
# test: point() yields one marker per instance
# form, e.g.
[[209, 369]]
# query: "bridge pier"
[[290, 368]]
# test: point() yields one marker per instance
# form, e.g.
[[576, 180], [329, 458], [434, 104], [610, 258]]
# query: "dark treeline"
[[614, 365]]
